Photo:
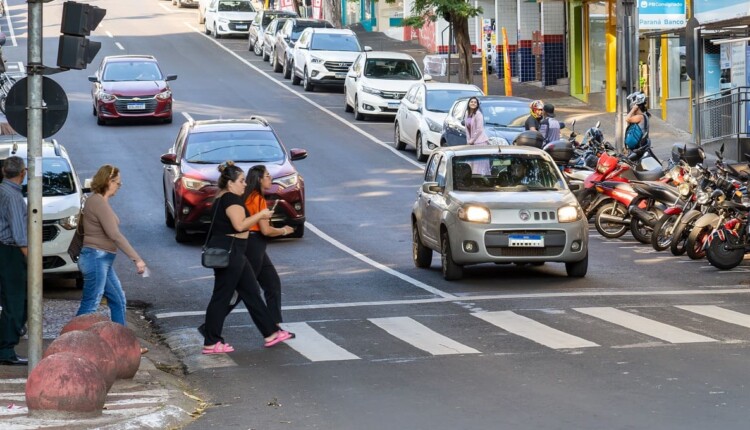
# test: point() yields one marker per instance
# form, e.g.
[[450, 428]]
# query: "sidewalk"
[[153, 399], [567, 108]]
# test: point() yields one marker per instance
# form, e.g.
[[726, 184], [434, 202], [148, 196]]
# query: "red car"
[[131, 86], [191, 172]]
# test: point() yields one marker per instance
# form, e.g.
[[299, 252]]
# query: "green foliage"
[[450, 10]]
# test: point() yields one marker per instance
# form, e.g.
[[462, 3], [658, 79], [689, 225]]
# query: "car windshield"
[[397, 69], [132, 71], [504, 114], [334, 42], [57, 178], [442, 100], [268, 17], [236, 6], [300, 27], [243, 146], [505, 172]]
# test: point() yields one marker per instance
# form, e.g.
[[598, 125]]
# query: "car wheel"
[[215, 32], [578, 269], [93, 110], [420, 148], [421, 254], [287, 70], [168, 120], [276, 66], [266, 57], [100, 121], [79, 281], [258, 48], [299, 231], [451, 270], [357, 115], [306, 84], [168, 218], [295, 78], [205, 28], [400, 144], [180, 234]]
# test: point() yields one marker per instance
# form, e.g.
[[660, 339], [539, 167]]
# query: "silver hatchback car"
[[497, 204]]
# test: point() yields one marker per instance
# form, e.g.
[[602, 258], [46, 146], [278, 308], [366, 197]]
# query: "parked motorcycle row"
[[687, 208]]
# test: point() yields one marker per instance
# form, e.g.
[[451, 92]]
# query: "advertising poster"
[[317, 9], [286, 5], [738, 64], [711, 74], [717, 10], [661, 14]]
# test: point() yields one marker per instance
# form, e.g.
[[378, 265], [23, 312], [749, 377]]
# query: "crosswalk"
[[493, 332]]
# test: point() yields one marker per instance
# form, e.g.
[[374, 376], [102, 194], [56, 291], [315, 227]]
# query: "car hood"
[[508, 133], [516, 200], [58, 207], [347, 56], [236, 16], [389, 84], [134, 88], [209, 172]]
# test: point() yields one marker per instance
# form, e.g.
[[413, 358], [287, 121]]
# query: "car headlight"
[[287, 181], [316, 60], [499, 141], [194, 184], [372, 91], [69, 223], [164, 95], [569, 214], [223, 20], [684, 189], [106, 97], [433, 125], [473, 213]]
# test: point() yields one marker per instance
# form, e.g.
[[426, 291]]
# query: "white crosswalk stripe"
[[314, 345], [721, 314], [644, 325], [419, 336], [533, 330]]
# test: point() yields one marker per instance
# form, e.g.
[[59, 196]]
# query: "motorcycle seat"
[[649, 175]]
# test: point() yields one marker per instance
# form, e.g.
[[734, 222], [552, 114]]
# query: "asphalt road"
[[645, 340]]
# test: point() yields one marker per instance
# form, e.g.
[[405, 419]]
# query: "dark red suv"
[[190, 172]]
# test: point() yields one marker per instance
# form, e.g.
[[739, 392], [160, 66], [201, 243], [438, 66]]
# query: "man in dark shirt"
[[13, 252], [533, 122], [550, 127]]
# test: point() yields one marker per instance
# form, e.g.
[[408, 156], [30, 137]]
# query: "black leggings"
[[265, 274], [238, 276]]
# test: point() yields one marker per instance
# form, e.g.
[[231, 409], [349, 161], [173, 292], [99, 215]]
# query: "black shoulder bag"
[[215, 258], [76, 244]]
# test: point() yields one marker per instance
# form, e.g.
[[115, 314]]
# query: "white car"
[[62, 196], [378, 80], [419, 120], [323, 56], [229, 17]]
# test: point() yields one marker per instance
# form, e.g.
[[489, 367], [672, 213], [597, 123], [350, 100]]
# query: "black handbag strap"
[[211, 226]]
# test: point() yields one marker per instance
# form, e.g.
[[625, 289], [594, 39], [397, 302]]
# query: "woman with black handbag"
[[229, 230]]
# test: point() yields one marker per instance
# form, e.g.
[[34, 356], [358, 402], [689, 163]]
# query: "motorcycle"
[[727, 245]]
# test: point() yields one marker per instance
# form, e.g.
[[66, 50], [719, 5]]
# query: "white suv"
[[322, 56], [229, 17], [61, 203]]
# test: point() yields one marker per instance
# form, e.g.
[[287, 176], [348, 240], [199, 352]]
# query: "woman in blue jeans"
[[101, 240]]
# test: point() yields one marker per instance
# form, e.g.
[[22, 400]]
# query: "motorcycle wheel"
[[611, 230], [661, 237], [695, 241], [681, 232], [641, 232], [722, 258]]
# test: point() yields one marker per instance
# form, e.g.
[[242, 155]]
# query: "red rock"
[[124, 344], [65, 385], [89, 346], [82, 322]]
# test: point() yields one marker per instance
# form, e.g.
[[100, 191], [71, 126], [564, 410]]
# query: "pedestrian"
[[549, 126], [475, 135], [533, 122], [638, 115], [229, 230], [13, 253], [101, 240]]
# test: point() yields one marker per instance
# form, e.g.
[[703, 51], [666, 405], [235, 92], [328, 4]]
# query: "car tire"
[[357, 114], [287, 71], [421, 254], [168, 217], [578, 269], [420, 145], [306, 84], [400, 144], [265, 56], [180, 234], [215, 32], [451, 270], [277, 68], [205, 27], [168, 120], [347, 106], [295, 79], [257, 48], [100, 121], [93, 110], [299, 231], [79, 281]]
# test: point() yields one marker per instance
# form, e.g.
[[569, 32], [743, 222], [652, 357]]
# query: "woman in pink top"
[[475, 135]]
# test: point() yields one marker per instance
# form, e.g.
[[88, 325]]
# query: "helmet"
[[637, 98], [536, 105]]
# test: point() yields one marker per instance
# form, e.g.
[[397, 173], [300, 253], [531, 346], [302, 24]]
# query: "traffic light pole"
[[34, 70]]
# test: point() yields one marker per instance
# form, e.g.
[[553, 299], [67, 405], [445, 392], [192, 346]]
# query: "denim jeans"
[[100, 279]]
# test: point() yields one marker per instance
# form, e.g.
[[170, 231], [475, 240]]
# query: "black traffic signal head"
[[80, 19], [75, 51]]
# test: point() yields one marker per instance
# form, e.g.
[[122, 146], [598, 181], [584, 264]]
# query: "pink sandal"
[[281, 336], [219, 348]]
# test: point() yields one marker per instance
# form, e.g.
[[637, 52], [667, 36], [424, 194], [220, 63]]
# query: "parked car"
[[378, 80], [190, 172], [185, 3], [131, 86], [269, 37], [62, 196], [323, 56], [480, 205], [419, 120], [504, 119], [287, 37], [258, 27], [229, 18]]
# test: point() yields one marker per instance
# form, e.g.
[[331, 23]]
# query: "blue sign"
[[661, 14], [718, 10]]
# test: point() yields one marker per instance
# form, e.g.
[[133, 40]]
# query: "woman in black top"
[[230, 231]]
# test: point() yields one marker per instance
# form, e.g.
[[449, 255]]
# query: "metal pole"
[[519, 67], [698, 84], [34, 163], [450, 48]]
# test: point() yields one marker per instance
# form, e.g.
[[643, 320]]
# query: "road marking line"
[[644, 325], [10, 24], [119, 45], [533, 330], [110, 35], [718, 313], [165, 8], [617, 293], [419, 336], [314, 345]]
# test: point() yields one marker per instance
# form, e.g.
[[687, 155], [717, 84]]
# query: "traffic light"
[[75, 51]]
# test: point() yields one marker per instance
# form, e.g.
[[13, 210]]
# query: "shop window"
[[677, 68]]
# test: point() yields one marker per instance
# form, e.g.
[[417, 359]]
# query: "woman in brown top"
[[101, 240]]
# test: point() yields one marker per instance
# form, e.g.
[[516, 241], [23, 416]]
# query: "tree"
[[457, 13], [332, 12]]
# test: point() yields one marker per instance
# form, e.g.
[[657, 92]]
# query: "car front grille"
[[548, 251], [49, 233], [245, 25], [148, 102], [395, 95], [497, 242], [334, 66]]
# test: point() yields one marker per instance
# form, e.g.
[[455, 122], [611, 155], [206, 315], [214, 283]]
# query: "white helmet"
[[637, 98]]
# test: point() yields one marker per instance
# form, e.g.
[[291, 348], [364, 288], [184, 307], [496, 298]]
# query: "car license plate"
[[136, 106], [526, 240], [393, 105], [241, 27], [341, 75]]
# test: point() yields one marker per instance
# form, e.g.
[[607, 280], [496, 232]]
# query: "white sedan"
[[419, 120]]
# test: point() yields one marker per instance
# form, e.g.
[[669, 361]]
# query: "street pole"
[[34, 69], [625, 59]]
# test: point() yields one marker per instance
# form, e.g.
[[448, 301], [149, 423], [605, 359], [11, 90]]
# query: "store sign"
[[718, 10], [661, 14]]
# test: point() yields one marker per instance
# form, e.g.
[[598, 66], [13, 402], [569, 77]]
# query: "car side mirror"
[[352, 75], [87, 185], [427, 77], [93, 78], [171, 78], [297, 154], [463, 122], [169, 159], [574, 186], [368, 48], [431, 188]]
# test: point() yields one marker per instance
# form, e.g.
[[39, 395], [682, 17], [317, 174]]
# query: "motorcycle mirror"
[[598, 123]]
